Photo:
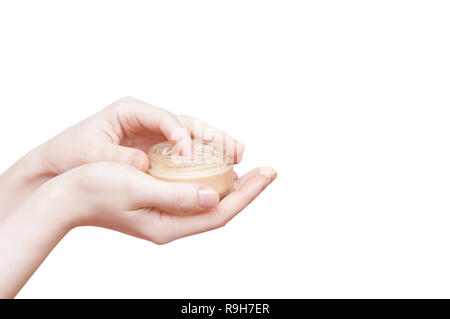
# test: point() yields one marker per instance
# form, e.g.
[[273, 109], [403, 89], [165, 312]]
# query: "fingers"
[[248, 175], [120, 197], [174, 197], [200, 130], [230, 206], [123, 154], [135, 115]]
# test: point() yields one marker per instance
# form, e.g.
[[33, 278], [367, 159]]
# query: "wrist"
[[28, 235], [52, 206], [21, 180], [29, 169]]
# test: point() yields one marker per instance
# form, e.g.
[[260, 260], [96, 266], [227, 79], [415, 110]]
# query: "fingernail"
[[187, 148], [207, 198], [268, 173]]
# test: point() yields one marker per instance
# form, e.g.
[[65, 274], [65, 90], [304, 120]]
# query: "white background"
[[347, 100]]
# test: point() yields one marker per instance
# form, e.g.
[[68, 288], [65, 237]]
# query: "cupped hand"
[[122, 198], [95, 173], [124, 132], [115, 196]]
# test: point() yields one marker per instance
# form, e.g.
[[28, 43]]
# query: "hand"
[[122, 198], [122, 132], [118, 197]]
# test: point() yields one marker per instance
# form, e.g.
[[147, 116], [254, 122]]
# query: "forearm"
[[26, 238], [21, 180]]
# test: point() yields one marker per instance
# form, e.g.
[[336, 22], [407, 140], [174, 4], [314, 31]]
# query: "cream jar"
[[207, 165]]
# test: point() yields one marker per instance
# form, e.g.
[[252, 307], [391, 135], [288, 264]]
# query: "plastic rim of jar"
[[207, 165]]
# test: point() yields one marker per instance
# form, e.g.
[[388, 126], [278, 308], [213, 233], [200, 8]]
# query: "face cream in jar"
[[207, 165]]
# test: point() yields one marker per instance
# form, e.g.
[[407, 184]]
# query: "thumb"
[[123, 154], [176, 197]]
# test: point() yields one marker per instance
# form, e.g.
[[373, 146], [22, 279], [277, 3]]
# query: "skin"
[[94, 173]]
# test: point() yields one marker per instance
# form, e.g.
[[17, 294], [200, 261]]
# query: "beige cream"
[[207, 165]]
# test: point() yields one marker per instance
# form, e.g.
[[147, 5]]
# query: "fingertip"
[[140, 160], [183, 142], [255, 181], [269, 173], [181, 138], [240, 149], [187, 148]]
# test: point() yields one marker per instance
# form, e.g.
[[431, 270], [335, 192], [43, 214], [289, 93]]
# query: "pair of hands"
[[95, 173]]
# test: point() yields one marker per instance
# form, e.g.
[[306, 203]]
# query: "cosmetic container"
[[207, 165]]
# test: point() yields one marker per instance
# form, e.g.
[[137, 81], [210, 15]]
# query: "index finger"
[[201, 130], [135, 114], [230, 206]]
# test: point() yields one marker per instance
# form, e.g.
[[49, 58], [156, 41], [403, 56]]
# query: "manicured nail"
[[185, 149], [268, 173], [238, 151], [207, 198]]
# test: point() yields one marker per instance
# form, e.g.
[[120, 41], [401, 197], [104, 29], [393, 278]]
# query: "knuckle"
[[159, 242], [220, 220], [222, 223], [126, 100], [223, 220], [164, 115], [161, 239], [180, 201], [179, 133], [185, 117], [122, 103]]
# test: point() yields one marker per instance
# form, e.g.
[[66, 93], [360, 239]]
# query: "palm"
[[163, 227]]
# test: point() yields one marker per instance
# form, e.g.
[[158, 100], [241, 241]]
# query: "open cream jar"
[[207, 165]]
